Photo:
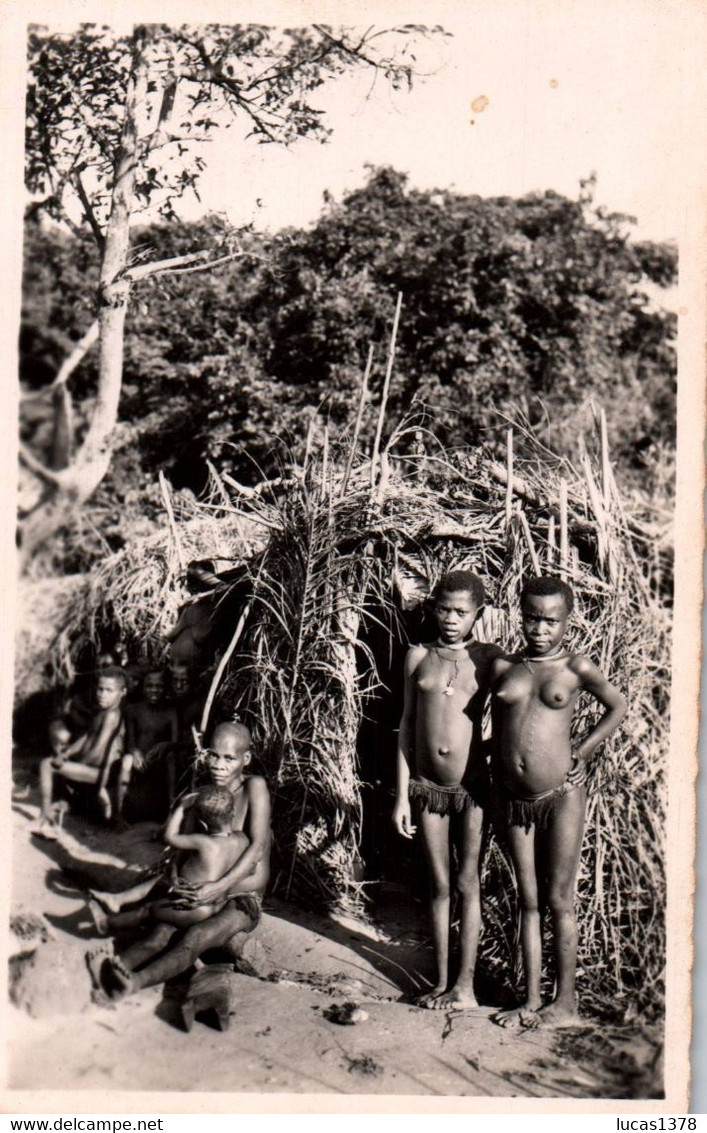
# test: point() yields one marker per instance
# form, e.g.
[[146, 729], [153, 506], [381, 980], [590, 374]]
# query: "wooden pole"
[[386, 389], [170, 516], [564, 540], [359, 419], [551, 542], [606, 476], [529, 543], [509, 473], [216, 679]]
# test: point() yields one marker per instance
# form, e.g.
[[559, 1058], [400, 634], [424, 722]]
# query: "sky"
[[523, 97]]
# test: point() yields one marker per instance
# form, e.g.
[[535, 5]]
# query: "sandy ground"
[[280, 1038]]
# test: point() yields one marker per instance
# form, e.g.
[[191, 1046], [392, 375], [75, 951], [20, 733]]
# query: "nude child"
[[540, 775], [150, 735], [442, 773], [90, 758]]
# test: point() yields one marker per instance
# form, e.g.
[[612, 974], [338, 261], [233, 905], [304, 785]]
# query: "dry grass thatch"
[[350, 539], [345, 549]]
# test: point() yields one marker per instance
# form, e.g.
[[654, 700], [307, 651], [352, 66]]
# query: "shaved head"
[[233, 735]]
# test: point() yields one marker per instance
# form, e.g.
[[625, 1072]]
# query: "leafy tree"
[[540, 302], [115, 124]]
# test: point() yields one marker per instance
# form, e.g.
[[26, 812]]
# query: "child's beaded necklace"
[[438, 646], [555, 654]]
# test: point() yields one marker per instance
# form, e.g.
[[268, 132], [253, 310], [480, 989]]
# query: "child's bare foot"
[[99, 917], [59, 812], [105, 804], [107, 901], [559, 1015], [459, 998], [427, 999], [46, 828], [522, 1016]]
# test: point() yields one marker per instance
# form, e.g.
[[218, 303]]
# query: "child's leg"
[[468, 885], [522, 845], [560, 847], [165, 913], [124, 776], [109, 923], [77, 772], [114, 902], [47, 771], [435, 839]]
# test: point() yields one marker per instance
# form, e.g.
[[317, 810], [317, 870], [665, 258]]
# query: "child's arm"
[[402, 814], [74, 748], [133, 747], [190, 896], [594, 682], [177, 840]]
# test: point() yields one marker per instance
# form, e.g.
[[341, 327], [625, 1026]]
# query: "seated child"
[[202, 857], [76, 707], [150, 736], [237, 894], [540, 775], [91, 757], [442, 772]]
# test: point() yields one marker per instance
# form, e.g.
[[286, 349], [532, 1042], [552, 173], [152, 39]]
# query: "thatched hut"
[[334, 560]]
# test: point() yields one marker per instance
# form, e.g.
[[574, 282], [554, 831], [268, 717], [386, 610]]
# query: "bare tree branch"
[[69, 364], [30, 460], [88, 210]]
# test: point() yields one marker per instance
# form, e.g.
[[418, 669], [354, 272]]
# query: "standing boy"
[[442, 773], [150, 739], [541, 775]]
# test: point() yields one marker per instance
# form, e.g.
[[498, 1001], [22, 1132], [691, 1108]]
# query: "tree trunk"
[[92, 460]]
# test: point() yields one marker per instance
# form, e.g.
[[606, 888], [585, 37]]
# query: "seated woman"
[[241, 887]]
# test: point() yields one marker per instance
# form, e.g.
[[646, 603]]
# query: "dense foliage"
[[540, 302]]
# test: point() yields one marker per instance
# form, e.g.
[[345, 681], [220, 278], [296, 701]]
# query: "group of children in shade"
[[528, 779], [131, 747]]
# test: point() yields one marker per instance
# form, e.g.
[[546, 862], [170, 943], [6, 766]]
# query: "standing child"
[[91, 757], [541, 777], [150, 740], [442, 772]]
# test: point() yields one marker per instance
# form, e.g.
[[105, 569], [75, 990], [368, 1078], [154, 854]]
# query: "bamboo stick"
[[564, 542], [551, 542], [509, 474], [386, 390], [216, 679], [325, 464], [359, 419], [170, 516], [606, 475], [529, 543], [598, 509]]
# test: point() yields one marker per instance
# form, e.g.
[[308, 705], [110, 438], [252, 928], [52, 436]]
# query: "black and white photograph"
[[353, 752]]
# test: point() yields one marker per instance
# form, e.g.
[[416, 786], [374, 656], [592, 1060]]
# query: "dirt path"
[[280, 1038]]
